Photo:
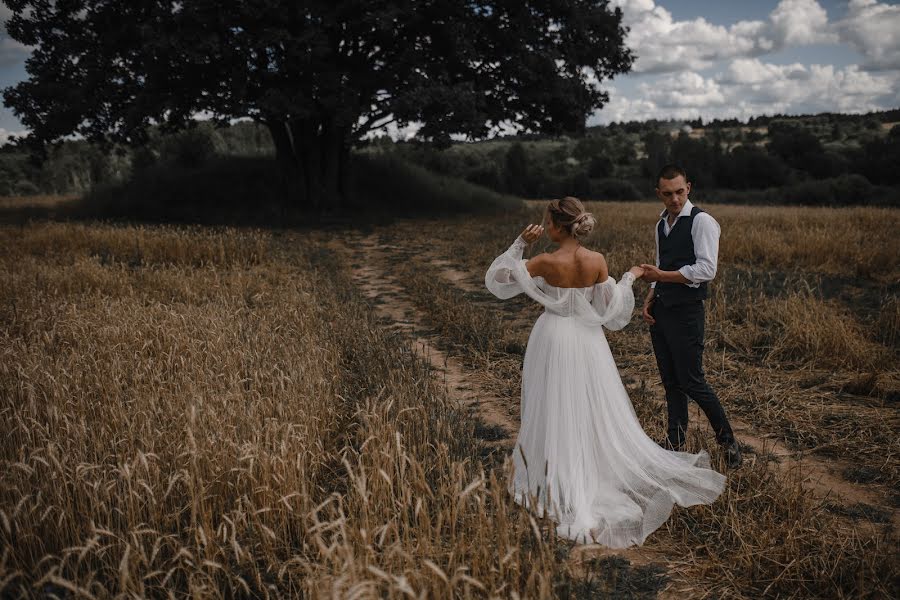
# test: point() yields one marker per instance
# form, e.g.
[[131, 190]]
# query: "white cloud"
[[749, 87], [664, 44], [800, 22], [683, 91], [760, 87], [622, 108], [751, 71], [873, 29], [5, 135], [671, 53]]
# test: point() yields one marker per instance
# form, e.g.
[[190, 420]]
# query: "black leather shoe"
[[733, 458]]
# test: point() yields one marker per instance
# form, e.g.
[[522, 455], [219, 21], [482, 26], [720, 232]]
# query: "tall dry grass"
[[800, 346], [767, 536], [217, 412], [785, 273], [224, 417]]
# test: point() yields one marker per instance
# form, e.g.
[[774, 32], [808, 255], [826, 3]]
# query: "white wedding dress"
[[581, 453]]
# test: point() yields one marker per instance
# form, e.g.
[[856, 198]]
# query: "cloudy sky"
[[729, 58], [741, 58]]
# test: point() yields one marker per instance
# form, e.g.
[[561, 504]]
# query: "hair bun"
[[583, 224], [568, 214]]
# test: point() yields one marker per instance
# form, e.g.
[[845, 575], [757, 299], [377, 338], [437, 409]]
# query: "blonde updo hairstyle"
[[568, 214]]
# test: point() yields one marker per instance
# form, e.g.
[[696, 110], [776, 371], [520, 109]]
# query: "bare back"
[[568, 269]]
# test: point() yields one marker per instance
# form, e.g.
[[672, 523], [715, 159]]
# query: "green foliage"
[[221, 190], [702, 156], [188, 149], [517, 169], [614, 189], [600, 166], [319, 75], [845, 190], [250, 190], [386, 183], [881, 158], [657, 152], [749, 167]]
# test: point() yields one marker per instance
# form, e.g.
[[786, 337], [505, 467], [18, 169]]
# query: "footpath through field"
[[377, 259]]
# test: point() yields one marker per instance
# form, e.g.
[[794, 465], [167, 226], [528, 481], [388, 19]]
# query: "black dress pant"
[[677, 339]]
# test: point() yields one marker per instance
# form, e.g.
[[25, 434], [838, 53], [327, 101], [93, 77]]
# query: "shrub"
[[600, 166], [189, 149], [221, 190], [388, 183], [613, 189], [25, 188]]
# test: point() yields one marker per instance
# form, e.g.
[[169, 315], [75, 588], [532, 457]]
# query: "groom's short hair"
[[670, 171]]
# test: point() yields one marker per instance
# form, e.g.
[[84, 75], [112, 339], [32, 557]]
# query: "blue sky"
[[739, 59], [717, 59]]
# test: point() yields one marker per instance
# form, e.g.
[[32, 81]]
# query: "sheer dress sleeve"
[[614, 301], [500, 278]]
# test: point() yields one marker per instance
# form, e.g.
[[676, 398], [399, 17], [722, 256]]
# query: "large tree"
[[320, 74]]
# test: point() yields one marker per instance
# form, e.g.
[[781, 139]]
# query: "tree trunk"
[[312, 155]]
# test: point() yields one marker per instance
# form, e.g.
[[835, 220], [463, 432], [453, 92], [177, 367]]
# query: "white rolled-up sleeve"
[[656, 237], [705, 231]]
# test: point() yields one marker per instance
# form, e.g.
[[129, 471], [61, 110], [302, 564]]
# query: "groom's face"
[[673, 193]]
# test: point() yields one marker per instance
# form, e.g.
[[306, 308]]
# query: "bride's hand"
[[638, 272], [532, 232]]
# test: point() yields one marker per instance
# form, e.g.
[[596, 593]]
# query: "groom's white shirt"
[[705, 232]]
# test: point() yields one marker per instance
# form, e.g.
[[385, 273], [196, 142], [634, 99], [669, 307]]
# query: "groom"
[[687, 248]]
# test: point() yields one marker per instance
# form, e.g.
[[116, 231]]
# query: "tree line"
[[800, 159], [822, 159], [318, 76]]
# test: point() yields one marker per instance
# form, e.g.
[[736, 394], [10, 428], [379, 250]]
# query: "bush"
[[252, 190], [219, 191], [488, 176], [613, 189], [600, 166], [750, 167], [846, 189], [387, 183], [188, 149], [24, 187], [836, 191]]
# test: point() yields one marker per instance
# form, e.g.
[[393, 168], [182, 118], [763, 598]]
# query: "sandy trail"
[[498, 417], [821, 476], [393, 304]]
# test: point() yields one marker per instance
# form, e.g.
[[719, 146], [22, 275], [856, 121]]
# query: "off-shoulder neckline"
[[559, 287]]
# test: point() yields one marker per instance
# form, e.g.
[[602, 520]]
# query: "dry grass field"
[[225, 412]]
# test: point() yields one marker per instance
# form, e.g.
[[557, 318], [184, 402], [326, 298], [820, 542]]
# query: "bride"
[[581, 454]]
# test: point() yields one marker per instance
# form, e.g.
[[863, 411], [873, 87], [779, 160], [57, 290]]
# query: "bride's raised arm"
[[500, 277]]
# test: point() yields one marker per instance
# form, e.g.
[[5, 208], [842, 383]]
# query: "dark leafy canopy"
[[322, 70]]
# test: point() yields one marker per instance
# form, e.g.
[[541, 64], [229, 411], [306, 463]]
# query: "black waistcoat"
[[675, 251]]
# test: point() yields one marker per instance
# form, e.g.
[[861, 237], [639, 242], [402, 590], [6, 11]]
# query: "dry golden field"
[[225, 412]]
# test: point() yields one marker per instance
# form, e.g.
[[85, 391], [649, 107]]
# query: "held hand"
[[531, 233], [648, 318], [638, 272], [651, 273]]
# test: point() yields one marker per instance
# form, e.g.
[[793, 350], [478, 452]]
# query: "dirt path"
[[820, 476], [391, 303], [497, 417], [497, 427]]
